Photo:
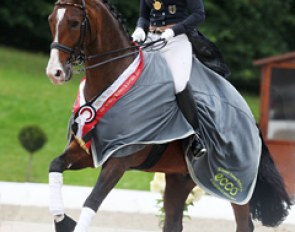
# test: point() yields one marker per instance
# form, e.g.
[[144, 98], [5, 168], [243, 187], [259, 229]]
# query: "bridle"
[[76, 53]]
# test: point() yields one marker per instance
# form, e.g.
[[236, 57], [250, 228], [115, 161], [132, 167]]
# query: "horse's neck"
[[99, 79], [110, 38]]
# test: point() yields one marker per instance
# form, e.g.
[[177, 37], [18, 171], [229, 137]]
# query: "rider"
[[172, 20]]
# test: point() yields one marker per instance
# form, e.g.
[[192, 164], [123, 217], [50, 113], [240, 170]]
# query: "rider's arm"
[[144, 16], [196, 17]]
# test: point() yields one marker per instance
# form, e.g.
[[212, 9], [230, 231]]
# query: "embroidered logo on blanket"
[[227, 183]]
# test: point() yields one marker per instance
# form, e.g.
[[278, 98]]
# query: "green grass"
[[27, 97]]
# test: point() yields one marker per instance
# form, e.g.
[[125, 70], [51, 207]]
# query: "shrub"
[[32, 138]]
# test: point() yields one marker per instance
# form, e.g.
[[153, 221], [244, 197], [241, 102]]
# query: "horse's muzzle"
[[59, 75]]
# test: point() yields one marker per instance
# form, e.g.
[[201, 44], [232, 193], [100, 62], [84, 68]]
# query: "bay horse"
[[81, 29]]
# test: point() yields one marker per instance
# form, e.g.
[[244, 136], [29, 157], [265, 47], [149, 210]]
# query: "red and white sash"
[[88, 114]]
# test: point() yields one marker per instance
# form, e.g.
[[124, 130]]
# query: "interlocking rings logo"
[[226, 184], [88, 113]]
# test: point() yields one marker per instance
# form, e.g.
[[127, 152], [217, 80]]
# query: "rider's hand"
[[167, 34], [138, 35]]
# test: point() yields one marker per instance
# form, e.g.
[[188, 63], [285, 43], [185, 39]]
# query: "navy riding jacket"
[[185, 14]]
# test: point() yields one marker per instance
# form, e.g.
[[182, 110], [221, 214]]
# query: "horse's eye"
[[74, 24]]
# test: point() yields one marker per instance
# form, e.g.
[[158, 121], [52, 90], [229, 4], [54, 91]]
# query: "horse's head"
[[91, 31], [68, 23]]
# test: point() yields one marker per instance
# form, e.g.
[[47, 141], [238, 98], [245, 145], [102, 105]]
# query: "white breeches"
[[178, 55]]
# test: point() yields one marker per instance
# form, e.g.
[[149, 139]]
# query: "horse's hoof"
[[66, 225]]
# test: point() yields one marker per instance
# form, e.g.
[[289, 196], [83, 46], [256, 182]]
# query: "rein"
[[77, 55], [142, 46]]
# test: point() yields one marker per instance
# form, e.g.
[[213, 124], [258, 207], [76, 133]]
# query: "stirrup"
[[199, 153], [198, 147]]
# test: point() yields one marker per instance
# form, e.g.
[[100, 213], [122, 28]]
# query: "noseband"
[[76, 53]]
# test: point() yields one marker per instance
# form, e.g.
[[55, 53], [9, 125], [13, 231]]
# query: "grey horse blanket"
[[148, 114]]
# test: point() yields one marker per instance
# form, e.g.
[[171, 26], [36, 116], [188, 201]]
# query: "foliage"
[[249, 29], [32, 138], [24, 23], [158, 184], [244, 30]]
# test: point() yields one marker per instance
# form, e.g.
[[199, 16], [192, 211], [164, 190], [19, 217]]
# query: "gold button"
[[157, 5]]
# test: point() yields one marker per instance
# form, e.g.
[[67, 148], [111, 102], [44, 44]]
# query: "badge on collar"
[[172, 9], [157, 5]]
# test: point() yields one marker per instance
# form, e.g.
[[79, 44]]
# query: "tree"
[[32, 138], [244, 30], [24, 24], [249, 29]]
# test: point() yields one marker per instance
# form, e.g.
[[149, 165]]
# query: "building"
[[277, 112]]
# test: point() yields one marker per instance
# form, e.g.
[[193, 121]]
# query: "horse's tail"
[[270, 201]]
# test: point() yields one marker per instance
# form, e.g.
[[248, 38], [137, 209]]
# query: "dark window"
[[281, 125]]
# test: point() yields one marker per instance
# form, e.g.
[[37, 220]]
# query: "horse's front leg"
[[73, 158], [110, 174], [178, 186], [243, 218]]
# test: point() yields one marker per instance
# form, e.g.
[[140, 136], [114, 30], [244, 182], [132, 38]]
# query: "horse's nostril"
[[58, 72]]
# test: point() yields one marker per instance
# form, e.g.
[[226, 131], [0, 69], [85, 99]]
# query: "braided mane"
[[114, 11]]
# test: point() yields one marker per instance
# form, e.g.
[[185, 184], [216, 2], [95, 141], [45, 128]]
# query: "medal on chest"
[[157, 5], [172, 9]]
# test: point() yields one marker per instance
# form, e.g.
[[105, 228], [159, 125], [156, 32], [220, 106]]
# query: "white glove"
[[138, 35], [167, 34]]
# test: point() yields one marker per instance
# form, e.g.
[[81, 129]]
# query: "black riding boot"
[[189, 109]]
